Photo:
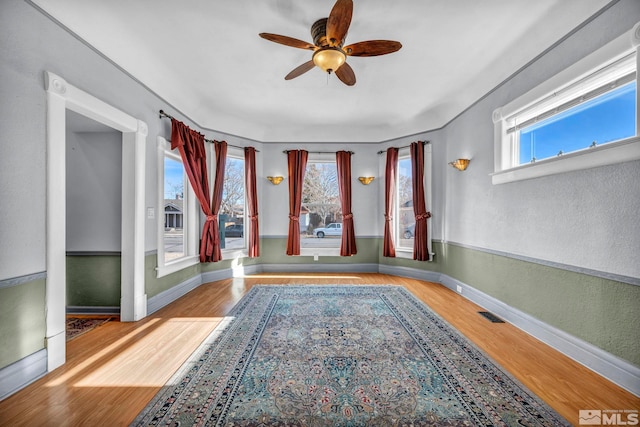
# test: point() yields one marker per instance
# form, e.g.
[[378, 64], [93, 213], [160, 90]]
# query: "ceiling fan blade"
[[372, 48], [346, 75], [298, 71], [288, 41], [339, 21]]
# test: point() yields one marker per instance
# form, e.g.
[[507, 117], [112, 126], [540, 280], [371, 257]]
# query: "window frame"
[[235, 153], [320, 251], [506, 164], [189, 217], [402, 251]]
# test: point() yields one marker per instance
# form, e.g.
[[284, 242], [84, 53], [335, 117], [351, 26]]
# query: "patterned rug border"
[[332, 289]]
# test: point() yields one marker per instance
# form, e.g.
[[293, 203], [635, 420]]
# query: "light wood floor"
[[113, 371]]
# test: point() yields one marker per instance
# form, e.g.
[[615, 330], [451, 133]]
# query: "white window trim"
[[407, 253], [237, 153], [611, 153], [311, 251], [190, 219]]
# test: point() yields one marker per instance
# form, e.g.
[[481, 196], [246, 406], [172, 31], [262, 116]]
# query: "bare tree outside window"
[[232, 206], [320, 206], [406, 217]]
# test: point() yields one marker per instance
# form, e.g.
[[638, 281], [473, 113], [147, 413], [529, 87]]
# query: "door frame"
[[62, 96]]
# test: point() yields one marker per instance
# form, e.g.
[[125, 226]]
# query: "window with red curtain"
[[190, 144], [297, 163], [343, 164]]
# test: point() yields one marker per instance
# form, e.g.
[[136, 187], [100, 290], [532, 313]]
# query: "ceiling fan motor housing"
[[319, 33]]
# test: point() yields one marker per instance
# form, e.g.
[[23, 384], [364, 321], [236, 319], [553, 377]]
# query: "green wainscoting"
[[93, 280], [435, 265], [22, 321], [273, 251], [602, 312], [155, 285]]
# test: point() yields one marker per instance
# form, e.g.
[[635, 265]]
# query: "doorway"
[[93, 219], [63, 98]]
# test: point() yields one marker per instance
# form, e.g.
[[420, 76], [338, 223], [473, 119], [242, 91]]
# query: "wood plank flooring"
[[113, 371]]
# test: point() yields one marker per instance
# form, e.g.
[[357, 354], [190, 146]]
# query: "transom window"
[[585, 116]]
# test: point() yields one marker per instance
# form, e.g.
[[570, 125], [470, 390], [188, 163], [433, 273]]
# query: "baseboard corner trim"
[[22, 373]]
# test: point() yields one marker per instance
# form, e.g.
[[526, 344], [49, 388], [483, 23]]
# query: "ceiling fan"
[[329, 54]]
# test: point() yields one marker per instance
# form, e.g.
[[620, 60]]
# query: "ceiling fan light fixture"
[[329, 59]]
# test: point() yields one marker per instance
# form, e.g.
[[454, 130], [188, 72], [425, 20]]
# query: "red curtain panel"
[[343, 166], [297, 161], [210, 243], [420, 248], [190, 144], [252, 200], [388, 248]]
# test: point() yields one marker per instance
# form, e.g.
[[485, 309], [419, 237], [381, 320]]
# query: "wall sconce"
[[275, 180], [366, 180], [460, 164]]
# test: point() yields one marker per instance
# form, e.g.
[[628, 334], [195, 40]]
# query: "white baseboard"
[[613, 368], [164, 298], [22, 373]]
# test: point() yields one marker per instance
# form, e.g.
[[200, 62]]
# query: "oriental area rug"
[[341, 356], [76, 326]]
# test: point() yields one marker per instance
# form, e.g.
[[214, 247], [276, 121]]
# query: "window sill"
[[404, 253], [606, 154], [177, 265]]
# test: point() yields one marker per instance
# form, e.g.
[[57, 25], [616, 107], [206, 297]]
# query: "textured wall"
[[22, 323], [94, 191], [93, 281], [586, 218]]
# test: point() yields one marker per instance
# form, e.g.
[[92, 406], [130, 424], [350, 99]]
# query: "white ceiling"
[[205, 58]]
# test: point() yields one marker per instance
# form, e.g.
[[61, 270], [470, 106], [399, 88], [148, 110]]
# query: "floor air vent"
[[492, 317]]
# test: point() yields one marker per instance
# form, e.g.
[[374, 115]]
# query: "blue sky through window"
[[609, 117], [173, 178]]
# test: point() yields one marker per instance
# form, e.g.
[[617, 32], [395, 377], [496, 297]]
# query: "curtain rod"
[[168, 116], [317, 152], [406, 146]]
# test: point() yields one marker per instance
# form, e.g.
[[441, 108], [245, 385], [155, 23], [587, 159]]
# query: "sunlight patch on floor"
[[133, 360], [169, 345]]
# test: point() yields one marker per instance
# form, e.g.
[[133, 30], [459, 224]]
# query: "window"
[[405, 224], [233, 206], [585, 116], [177, 225], [321, 212], [404, 217]]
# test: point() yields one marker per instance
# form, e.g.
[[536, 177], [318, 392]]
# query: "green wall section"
[[599, 311], [93, 280], [22, 321], [155, 285], [273, 251]]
